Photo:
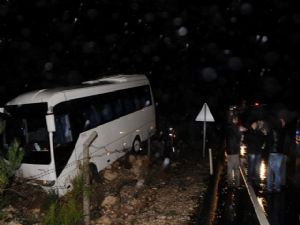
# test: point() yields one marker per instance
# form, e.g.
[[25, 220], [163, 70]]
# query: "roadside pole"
[[204, 133], [211, 171], [86, 176]]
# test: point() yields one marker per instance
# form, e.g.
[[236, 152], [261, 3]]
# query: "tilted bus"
[[53, 124]]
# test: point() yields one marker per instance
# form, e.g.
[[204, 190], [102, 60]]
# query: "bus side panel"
[[105, 149], [108, 147], [36, 171], [141, 123]]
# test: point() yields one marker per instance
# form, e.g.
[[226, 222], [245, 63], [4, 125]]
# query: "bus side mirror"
[[50, 123]]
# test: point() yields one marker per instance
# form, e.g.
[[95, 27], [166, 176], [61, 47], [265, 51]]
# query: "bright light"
[[262, 170], [243, 150]]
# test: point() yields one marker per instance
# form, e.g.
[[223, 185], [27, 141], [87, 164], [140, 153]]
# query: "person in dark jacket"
[[233, 139], [254, 139], [276, 148]]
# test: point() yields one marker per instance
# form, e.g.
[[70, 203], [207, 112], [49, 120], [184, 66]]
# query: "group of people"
[[257, 137]]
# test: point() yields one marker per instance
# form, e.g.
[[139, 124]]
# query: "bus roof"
[[88, 88]]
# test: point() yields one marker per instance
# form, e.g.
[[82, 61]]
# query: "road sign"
[[205, 114]]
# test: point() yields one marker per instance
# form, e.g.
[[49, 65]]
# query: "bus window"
[[141, 97], [94, 116], [117, 107], [27, 125], [63, 133], [36, 131], [146, 96], [106, 113], [138, 102], [128, 103], [91, 117]]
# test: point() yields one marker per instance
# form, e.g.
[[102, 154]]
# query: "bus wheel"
[[136, 145], [94, 175]]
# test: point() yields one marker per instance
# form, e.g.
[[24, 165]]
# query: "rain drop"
[[246, 9], [209, 74], [257, 37], [177, 21], [182, 31], [48, 66], [296, 18], [264, 39], [233, 19], [235, 63], [227, 51]]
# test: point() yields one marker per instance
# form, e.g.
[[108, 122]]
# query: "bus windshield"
[[27, 124]]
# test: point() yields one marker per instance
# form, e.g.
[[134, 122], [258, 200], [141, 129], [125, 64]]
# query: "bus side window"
[[117, 107], [106, 113], [92, 118], [146, 96], [138, 102], [128, 102], [95, 116], [63, 133]]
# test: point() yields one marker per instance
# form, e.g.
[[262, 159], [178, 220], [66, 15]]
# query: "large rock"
[[139, 165], [110, 175], [103, 220], [110, 201]]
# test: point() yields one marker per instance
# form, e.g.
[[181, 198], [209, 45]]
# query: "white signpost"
[[205, 116]]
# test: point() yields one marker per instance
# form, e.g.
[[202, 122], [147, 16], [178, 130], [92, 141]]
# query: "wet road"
[[235, 206], [280, 208]]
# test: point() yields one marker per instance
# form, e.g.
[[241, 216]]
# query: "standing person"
[[297, 147], [233, 139], [276, 149], [254, 139], [284, 152]]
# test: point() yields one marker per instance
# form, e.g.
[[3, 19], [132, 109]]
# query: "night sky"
[[219, 52]]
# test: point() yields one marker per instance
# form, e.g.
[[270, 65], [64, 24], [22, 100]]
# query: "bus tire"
[[94, 175], [136, 145]]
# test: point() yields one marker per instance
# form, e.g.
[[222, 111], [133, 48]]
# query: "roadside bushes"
[[66, 210], [9, 164]]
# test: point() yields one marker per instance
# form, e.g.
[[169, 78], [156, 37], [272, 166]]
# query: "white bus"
[[52, 124]]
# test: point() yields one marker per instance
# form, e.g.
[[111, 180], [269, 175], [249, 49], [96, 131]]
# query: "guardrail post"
[[86, 176], [210, 162]]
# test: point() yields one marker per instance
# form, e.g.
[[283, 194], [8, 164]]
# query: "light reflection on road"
[[280, 208]]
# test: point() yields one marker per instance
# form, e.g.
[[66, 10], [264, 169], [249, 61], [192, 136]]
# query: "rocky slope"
[[133, 190]]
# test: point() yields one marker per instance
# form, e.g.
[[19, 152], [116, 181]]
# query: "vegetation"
[[10, 164], [66, 210]]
